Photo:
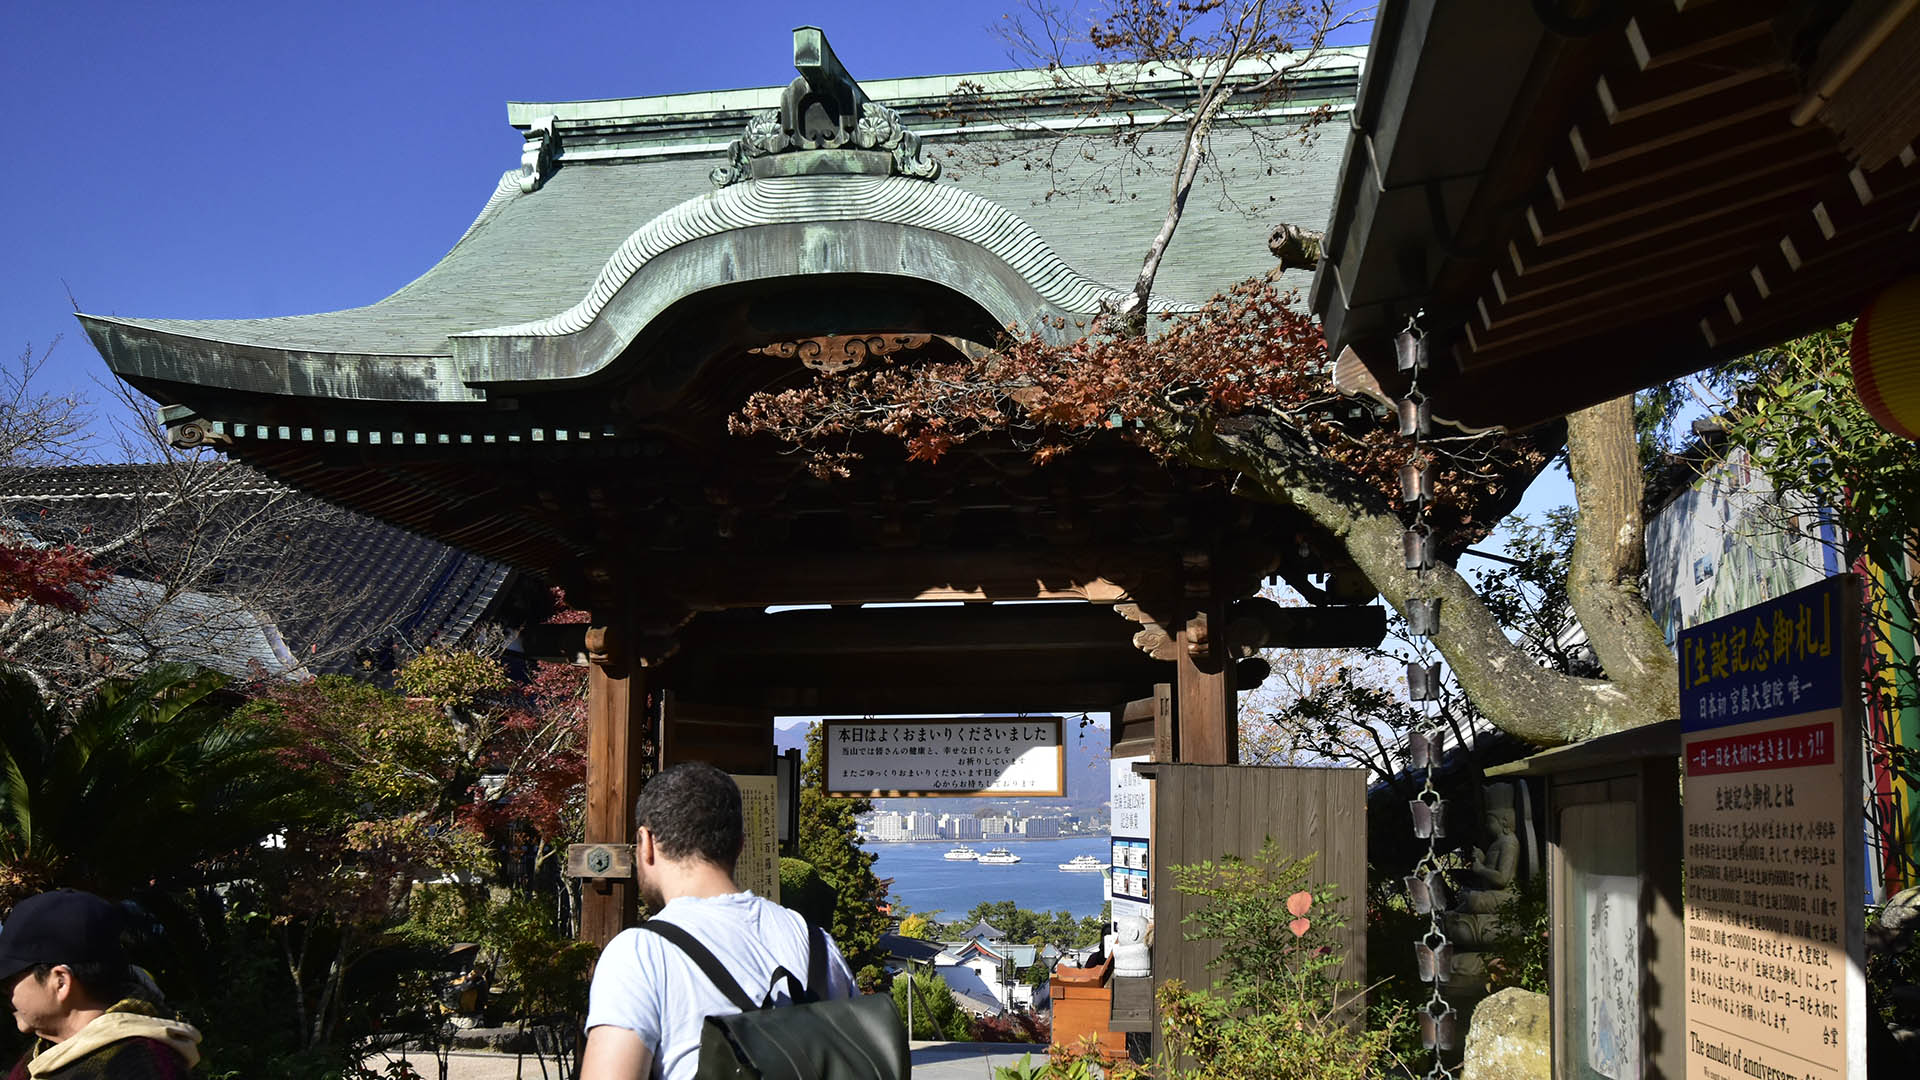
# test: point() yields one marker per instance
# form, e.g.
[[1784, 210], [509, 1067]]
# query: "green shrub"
[[1278, 1008]]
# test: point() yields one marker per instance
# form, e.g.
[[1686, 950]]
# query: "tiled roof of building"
[[386, 587], [532, 254]]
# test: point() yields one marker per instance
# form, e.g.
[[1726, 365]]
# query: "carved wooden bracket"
[[1200, 642], [603, 645], [1152, 638], [835, 353]]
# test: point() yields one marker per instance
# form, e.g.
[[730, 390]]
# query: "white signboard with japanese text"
[[1770, 708], [957, 756], [1130, 804], [759, 867]]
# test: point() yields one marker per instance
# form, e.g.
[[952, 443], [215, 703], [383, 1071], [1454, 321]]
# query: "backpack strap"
[[717, 974], [703, 959], [816, 962]]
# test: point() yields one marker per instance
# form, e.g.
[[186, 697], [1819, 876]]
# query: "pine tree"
[[829, 841]]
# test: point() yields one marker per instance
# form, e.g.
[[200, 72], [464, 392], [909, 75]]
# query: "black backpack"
[[858, 1038]]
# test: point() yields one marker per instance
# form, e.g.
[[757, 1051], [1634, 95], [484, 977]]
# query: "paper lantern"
[[1886, 358]]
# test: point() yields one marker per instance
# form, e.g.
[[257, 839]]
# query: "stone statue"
[[1131, 958], [1474, 919]]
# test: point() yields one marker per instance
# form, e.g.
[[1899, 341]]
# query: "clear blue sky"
[[237, 160]]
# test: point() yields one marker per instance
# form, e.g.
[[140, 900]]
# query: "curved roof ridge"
[[786, 200]]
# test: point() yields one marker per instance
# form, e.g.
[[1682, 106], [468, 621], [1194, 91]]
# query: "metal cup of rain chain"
[[1434, 954], [1416, 417], [1427, 750], [1417, 544], [1428, 893], [1411, 351], [1423, 617], [1423, 681], [1416, 482], [1437, 1029], [1429, 815]]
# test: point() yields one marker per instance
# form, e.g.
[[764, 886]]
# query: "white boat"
[[999, 856], [1084, 864], [962, 853]]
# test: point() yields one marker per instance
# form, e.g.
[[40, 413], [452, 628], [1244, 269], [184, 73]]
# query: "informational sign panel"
[[1022, 757], [1130, 824], [759, 866], [1770, 705]]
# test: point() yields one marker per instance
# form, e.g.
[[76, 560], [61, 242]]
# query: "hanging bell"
[[1427, 892], [1416, 482], [1416, 417], [1423, 681], [1417, 541], [1434, 956], [1429, 815], [1411, 351], [1437, 1027], [1426, 751], [1423, 617]]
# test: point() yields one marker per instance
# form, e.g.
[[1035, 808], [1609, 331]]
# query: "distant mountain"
[[793, 736]]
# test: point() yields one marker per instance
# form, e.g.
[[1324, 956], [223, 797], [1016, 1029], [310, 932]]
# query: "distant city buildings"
[[959, 827], [894, 825], [1037, 827]]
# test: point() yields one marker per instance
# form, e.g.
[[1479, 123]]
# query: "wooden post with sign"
[[609, 897], [1770, 707]]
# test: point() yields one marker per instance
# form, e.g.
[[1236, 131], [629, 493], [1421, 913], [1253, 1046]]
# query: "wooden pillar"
[[1206, 706], [616, 715]]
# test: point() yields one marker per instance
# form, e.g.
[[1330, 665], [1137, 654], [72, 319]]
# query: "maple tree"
[[38, 429], [525, 736], [1243, 386], [381, 790]]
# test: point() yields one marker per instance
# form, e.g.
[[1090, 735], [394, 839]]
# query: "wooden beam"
[[1207, 706], [737, 739], [1108, 576], [1023, 628], [615, 731]]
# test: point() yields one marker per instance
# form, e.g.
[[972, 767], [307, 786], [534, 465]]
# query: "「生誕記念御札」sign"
[[1770, 706], [947, 756]]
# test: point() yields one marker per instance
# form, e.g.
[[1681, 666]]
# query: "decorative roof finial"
[[825, 124], [542, 149]]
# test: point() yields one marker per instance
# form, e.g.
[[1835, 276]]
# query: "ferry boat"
[[962, 853], [999, 856], [1084, 864]]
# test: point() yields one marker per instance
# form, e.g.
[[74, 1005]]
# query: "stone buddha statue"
[[1486, 884]]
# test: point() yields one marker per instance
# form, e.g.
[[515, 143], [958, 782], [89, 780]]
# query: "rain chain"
[[1426, 888]]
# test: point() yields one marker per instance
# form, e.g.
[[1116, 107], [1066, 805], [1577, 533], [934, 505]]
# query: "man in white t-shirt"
[[648, 1000]]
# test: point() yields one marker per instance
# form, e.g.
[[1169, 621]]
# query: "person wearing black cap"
[[69, 983]]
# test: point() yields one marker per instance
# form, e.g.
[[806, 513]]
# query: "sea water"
[[924, 881]]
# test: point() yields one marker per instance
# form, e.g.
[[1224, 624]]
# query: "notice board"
[[759, 867], [1770, 702], [958, 756]]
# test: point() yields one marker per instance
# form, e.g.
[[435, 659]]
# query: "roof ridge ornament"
[[825, 124], [542, 153]]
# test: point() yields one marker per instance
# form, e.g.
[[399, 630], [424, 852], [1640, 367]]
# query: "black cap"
[[66, 926]]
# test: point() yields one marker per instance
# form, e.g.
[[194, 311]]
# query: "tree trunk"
[[1504, 682], [1610, 553]]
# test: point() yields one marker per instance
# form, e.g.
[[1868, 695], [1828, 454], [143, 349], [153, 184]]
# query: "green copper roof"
[[557, 238]]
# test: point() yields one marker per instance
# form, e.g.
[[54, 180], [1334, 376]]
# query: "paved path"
[[931, 1061]]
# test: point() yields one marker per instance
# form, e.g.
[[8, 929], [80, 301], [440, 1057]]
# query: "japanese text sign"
[[1780, 658], [1021, 756], [1769, 698]]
